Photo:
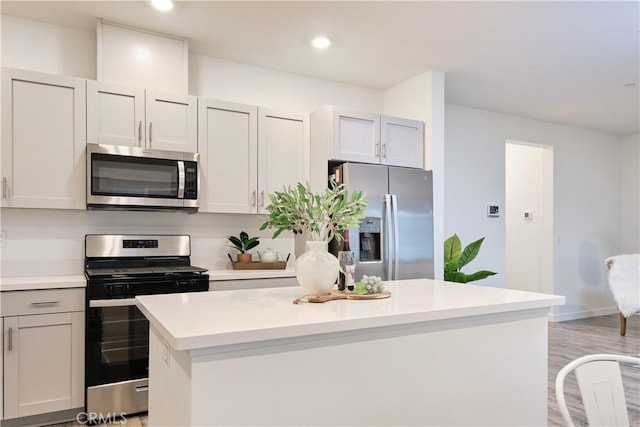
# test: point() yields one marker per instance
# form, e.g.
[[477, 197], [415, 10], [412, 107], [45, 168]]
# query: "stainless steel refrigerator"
[[395, 240]]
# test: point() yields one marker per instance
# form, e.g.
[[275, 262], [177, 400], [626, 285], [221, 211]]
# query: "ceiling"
[[560, 62]]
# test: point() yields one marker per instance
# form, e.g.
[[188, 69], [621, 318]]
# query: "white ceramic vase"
[[317, 269]]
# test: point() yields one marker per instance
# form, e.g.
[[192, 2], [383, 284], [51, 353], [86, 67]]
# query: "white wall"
[[529, 241], [231, 81], [630, 198], [422, 98], [587, 194], [48, 48]]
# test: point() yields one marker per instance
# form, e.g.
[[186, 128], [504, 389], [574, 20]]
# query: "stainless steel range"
[[118, 268]]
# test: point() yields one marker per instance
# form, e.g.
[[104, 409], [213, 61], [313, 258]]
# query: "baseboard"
[[583, 314], [68, 415]]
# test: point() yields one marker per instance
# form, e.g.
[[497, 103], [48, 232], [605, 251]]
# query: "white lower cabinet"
[[43, 357]]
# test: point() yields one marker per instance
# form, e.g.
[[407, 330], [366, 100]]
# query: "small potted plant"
[[242, 244]]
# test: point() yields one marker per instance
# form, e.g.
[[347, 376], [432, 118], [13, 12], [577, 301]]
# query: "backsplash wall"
[[44, 242]]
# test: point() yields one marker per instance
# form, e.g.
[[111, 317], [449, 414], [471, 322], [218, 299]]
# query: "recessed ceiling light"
[[321, 42], [162, 4]]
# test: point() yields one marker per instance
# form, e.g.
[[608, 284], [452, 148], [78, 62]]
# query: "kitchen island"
[[434, 353]]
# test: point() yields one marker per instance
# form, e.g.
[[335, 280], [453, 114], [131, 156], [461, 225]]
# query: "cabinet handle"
[[4, 187], [140, 133], [377, 150], [384, 151], [253, 198], [150, 128], [141, 388], [10, 345], [262, 198], [45, 302]]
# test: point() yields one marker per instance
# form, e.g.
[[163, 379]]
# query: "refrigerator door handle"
[[388, 236], [396, 237]]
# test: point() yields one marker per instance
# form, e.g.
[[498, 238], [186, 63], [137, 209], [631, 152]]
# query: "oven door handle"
[[118, 302]]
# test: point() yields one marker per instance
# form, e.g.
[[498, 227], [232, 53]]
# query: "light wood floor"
[[567, 341], [572, 339]]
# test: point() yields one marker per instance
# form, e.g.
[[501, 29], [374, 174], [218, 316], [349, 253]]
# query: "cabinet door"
[[283, 152], [228, 157], [356, 136], [172, 122], [43, 363], [43, 140], [402, 142], [115, 114]]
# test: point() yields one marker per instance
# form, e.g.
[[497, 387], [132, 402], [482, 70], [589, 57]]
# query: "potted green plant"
[[320, 217], [242, 244], [455, 258]]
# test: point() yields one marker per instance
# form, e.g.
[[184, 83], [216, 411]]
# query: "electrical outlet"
[[3, 238], [165, 353]]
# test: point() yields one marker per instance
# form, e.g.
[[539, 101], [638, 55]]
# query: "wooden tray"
[[335, 295], [280, 265]]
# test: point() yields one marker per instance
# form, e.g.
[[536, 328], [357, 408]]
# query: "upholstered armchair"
[[624, 282]]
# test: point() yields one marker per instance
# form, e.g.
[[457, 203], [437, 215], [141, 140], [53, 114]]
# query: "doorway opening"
[[529, 216]]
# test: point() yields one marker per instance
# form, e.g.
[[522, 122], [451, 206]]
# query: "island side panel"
[[480, 370], [169, 384]]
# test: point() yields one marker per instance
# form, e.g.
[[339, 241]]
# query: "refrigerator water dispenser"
[[369, 238]]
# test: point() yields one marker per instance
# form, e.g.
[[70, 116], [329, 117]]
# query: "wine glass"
[[347, 263]]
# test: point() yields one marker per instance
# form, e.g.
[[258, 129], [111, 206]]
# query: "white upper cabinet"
[[283, 152], [356, 136], [246, 153], [43, 140], [172, 121], [402, 142], [115, 114], [228, 157], [120, 115], [368, 138]]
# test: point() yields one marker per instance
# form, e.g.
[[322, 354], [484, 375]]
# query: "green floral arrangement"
[[318, 216]]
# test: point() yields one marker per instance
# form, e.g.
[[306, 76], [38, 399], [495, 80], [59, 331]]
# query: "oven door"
[[117, 357]]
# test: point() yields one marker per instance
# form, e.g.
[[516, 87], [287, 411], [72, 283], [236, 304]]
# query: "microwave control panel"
[[190, 180]]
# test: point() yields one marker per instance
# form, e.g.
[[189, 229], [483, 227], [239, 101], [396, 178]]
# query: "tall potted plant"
[[320, 217]]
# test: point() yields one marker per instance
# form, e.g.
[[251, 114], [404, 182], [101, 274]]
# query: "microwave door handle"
[[180, 179]]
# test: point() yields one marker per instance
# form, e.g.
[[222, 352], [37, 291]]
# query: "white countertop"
[[209, 319], [249, 274], [42, 282], [25, 283]]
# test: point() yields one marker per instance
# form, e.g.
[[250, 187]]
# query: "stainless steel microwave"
[[131, 178]]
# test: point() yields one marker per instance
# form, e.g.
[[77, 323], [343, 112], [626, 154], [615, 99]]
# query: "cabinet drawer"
[[17, 303]]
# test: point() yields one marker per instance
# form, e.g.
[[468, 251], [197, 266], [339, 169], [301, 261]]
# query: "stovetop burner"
[[124, 266]]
